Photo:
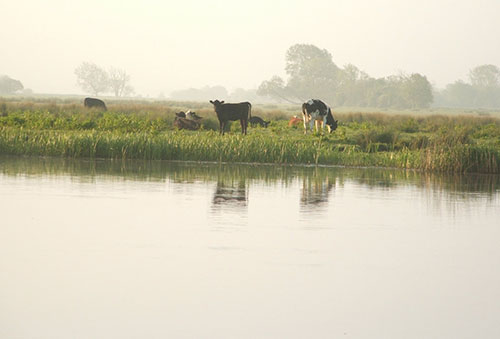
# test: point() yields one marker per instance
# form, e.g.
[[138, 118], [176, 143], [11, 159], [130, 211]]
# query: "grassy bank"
[[431, 142]]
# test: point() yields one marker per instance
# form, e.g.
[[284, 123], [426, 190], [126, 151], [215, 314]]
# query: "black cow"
[[180, 114], [231, 112], [254, 121], [315, 110], [94, 103]]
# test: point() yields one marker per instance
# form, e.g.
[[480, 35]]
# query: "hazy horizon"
[[193, 44]]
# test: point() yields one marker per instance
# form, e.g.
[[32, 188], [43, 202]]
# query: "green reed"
[[434, 143]]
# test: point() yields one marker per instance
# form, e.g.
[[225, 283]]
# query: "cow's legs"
[[221, 127], [243, 129], [304, 120]]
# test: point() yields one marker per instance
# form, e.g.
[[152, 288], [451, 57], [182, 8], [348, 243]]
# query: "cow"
[[232, 112], [192, 116], [94, 103], [254, 121], [180, 114], [183, 123], [294, 121], [314, 111]]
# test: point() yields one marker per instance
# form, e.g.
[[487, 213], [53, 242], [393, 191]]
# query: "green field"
[[431, 140]]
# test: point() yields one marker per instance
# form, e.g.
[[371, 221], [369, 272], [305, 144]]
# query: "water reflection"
[[149, 242], [234, 182], [231, 193], [316, 189]]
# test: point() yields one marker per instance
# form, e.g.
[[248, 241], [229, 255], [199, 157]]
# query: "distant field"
[[276, 111], [435, 140]]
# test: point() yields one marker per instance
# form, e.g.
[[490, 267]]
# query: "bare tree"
[[91, 78], [119, 82]]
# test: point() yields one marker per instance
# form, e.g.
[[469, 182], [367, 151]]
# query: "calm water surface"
[[187, 250]]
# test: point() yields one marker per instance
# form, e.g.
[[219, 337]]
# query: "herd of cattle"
[[314, 113]]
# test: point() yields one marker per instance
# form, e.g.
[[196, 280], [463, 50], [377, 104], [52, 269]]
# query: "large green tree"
[[311, 74], [417, 91]]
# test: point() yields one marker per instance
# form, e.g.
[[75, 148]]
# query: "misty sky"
[[166, 45]]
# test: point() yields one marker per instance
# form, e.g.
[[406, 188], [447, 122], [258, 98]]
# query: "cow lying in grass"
[[314, 111], [294, 121], [183, 123], [192, 116], [232, 112]]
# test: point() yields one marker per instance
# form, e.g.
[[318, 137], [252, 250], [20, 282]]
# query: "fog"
[[166, 46]]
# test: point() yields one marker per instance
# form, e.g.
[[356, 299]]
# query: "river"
[[111, 249]]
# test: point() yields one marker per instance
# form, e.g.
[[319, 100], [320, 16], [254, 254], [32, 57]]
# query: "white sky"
[[166, 45]]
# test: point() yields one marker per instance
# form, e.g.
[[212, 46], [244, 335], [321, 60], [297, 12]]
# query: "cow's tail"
[[249, 110]]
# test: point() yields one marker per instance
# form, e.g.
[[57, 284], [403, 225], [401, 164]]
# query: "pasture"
[[467, 142]]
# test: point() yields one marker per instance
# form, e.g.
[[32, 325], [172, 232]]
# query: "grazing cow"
[[254, 121], [183, 123], [294, 121], [232, 112], [180, 114], [94, 103], [314, 111], [192, 116]]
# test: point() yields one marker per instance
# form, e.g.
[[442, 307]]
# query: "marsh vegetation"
[[144, 130]]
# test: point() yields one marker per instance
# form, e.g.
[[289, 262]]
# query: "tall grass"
[[137, 131], [260, 148]]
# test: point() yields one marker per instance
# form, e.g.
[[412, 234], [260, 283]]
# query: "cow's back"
[[93, 102], [232, 111]]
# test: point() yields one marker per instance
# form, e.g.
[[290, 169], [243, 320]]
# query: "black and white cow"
[[231, 112], [315, 111], [192, 116]]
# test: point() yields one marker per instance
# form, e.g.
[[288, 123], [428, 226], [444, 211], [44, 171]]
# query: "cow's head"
[[216, 103], [332, 126]]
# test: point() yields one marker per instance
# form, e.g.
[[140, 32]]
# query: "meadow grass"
[[447, 143]]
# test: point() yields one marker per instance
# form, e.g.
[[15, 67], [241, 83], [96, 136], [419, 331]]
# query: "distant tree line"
[[313, 74], [217, 92], [9, 85], [95, 80], [482, 90]]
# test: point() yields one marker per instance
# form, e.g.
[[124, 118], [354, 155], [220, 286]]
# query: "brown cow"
[[183, 123], [294, 121]]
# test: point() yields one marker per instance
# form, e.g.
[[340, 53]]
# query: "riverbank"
[[255, 147], [455, 144]]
